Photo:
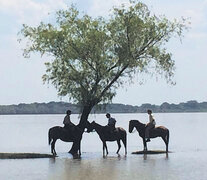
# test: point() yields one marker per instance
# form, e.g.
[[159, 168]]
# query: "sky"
[[20, 78]]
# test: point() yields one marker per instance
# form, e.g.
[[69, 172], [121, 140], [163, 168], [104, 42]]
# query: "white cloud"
[[101, 8], [30, 11]]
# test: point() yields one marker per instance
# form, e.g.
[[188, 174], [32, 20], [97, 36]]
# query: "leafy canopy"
[[91, 57]]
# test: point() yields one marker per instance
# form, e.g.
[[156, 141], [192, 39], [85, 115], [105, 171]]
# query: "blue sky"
[[21, 78]]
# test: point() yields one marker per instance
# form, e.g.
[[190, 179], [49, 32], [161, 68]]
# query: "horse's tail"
[[125, 137], [124, 140], [49, 136], [168, 136]]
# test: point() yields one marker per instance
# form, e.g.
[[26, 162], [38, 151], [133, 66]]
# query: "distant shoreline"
[[95, 113], [61, 107]]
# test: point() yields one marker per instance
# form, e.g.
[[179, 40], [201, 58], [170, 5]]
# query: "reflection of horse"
[[66, 135], [105, 135], [160, 131]]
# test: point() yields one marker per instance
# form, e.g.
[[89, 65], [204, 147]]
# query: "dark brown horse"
[[65, 135], [160, 131], [118, 135]]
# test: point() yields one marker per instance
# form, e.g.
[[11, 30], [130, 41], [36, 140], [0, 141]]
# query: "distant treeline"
[[61, 107]]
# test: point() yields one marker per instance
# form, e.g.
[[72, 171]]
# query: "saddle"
[[108, 130], [70, 130]]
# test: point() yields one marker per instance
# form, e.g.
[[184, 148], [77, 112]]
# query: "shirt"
[[111, 121], [66, 120], [151, 119]]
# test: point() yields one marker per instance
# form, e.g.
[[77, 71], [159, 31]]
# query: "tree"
[[92, 57]]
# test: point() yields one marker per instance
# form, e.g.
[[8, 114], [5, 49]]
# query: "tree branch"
[[112, 82], [84, 56], [150, 44], [71, 66]]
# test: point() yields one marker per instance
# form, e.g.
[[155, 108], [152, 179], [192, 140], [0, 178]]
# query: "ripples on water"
[[29, 134]]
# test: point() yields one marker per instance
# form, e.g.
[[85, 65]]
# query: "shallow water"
[[28, 133]]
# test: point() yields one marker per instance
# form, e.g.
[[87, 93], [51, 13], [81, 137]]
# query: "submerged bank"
[[24, 155]]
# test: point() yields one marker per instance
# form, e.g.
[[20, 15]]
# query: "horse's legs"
[[103, 149], [166, 142], [53, 147], [79, 148], [106, 148], [119, 146], [145, 144], [124, 140]]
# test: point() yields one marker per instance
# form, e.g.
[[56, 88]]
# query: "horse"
[[65, 135], [118, 135], [160, 131]]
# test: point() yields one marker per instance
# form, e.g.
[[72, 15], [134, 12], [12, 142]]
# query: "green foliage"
[[93, 56]]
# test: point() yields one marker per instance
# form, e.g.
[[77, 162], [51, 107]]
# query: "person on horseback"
[[111, 123], [67, 122], [150, 125]]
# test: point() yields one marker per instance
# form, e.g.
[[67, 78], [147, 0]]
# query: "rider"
[[149, 125], [67, 123], [111, 122]]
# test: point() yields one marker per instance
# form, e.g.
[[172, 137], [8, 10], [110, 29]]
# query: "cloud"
[[102, 8], [30, 11]]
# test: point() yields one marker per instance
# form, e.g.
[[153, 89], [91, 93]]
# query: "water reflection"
[[164, 155], [116, 167], [87, 169]]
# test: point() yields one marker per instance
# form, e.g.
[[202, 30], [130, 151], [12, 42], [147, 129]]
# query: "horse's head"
[[138, 125], [131, 126], [90, 127]]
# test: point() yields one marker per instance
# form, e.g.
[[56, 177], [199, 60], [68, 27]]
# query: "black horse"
[[65, 135], [160, 131], [105, 135]]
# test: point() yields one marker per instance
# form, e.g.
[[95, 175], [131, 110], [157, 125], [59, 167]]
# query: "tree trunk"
[[83, 120], [84, 116]]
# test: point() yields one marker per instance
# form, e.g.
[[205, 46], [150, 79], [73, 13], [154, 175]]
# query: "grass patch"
[[150, 152], [24, 155]]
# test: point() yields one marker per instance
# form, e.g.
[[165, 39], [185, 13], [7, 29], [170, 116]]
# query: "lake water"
[[28, 133]]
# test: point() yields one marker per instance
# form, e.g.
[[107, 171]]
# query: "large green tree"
[[92, 57]]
